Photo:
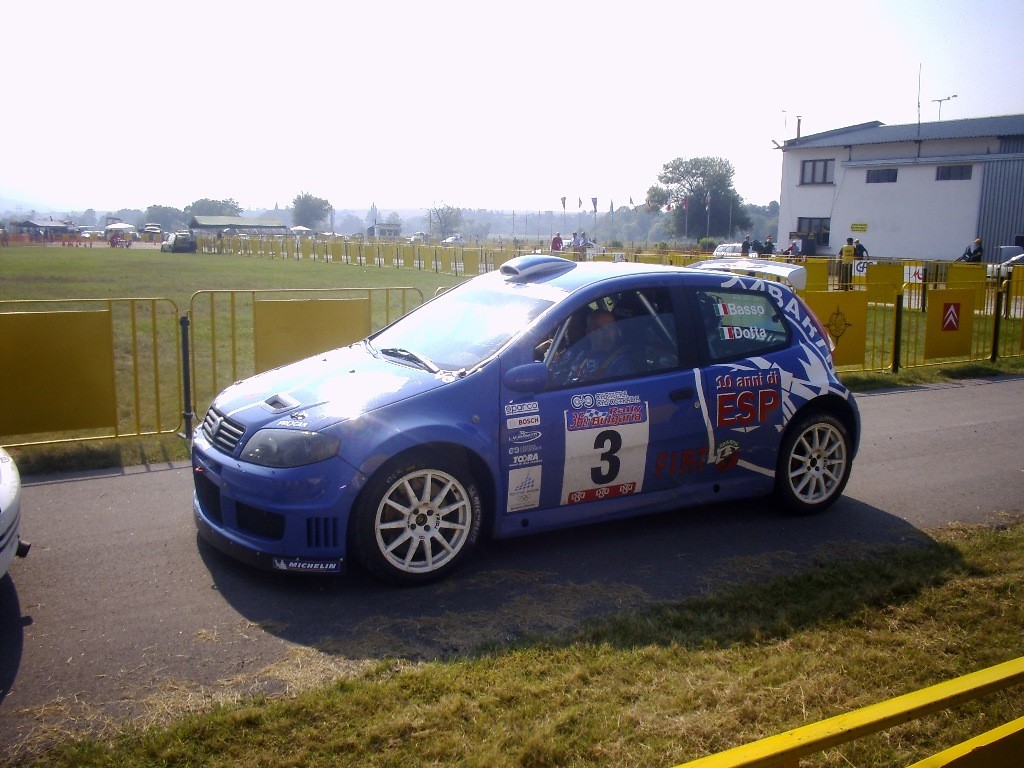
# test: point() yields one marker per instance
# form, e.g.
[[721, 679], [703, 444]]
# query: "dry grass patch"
[[652, 687]]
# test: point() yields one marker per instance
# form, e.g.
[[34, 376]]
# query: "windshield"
[[459, 329]]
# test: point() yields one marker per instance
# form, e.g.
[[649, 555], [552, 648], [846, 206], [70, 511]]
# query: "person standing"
[[767, 248], [846, 255], [556, 242], [859, 251], [745, 247]]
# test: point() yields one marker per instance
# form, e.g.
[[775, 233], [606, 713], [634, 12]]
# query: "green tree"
[[657, 198], [351, 224], [703, 199], [764, 220], [444, 220], [394, 220], [169, 219], [207, 207], [309, 211], [128, 216]]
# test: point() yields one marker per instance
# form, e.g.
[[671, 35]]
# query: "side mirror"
[[532, 377]]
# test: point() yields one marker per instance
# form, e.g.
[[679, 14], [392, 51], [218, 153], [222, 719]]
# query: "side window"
[[738, 324], [628, 333]]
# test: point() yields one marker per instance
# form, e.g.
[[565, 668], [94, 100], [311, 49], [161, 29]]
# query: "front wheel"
[[417, 519], [814, 464]]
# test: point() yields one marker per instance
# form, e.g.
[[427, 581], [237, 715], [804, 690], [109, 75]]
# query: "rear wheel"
[[418, 518], [814, 464]]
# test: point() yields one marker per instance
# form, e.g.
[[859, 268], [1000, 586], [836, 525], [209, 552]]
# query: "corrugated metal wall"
[[1001, 215]]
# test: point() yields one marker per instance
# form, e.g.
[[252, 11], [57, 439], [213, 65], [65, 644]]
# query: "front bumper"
[[9, 540], [293, 519]]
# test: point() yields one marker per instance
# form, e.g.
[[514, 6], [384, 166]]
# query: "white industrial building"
[[921, 191]]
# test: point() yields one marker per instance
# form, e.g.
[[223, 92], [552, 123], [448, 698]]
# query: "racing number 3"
[[609, 442]]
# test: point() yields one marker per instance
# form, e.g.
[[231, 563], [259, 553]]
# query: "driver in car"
[[601, 355]]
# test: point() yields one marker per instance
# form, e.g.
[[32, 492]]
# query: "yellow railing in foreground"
[[785, 749]]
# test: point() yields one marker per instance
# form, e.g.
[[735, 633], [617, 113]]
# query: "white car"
[[417, 237], [453, 240], [11, 545], [728, 251], [1009, 256]]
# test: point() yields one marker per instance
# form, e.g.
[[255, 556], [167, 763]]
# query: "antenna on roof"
[[919, 100]]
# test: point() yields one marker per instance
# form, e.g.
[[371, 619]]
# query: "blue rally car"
[[548, 393]]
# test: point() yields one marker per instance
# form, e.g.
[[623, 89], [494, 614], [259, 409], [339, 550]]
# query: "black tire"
[[417, 519], [814, 464]]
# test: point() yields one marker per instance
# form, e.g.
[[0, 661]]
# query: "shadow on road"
[[551, 584], [12, 635]]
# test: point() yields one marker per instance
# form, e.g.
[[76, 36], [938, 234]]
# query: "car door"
[[748, 352], [607, 440]]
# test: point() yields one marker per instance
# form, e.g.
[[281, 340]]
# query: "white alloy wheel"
[[814, 464], [424, 518]]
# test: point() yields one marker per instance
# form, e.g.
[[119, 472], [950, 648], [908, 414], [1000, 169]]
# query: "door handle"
[[678, 395]]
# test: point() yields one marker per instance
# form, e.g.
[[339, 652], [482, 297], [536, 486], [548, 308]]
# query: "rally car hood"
[[324, 389]]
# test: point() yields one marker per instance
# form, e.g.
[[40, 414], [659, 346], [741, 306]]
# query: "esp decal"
[[747, 400]]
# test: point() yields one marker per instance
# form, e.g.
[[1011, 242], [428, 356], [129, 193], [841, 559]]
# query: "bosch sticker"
[[523, 421]]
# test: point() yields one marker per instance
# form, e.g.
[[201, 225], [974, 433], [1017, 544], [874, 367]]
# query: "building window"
[[816, 228], [882, 176], [953, 173], [817, 172]]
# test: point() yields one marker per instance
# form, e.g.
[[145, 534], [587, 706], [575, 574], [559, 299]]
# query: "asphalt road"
[[120, 613]]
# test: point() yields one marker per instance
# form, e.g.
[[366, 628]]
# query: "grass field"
[[149, 416], [653, 688], [647, 688], [41, 274]]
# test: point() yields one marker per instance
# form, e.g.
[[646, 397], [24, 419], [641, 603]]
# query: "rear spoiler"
[[794, 274]]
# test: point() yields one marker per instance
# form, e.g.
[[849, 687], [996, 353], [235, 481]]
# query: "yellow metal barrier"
[[786, 749], [999, 747], [236, 333], [288, 330], [89, 369]]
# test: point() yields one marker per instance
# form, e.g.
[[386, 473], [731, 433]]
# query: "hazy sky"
[[495, 105]]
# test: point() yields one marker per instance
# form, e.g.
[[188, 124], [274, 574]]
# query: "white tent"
[[120, 227], [300, 229]]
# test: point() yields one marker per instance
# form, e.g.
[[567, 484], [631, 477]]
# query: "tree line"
[[694, 201]]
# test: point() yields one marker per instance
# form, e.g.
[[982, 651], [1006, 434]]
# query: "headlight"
[[288, 448]]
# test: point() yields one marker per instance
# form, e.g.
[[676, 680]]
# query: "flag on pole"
[[594, 201], [631, 200], [580, 203], [563, 203], [684, 204], [707, 202]]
